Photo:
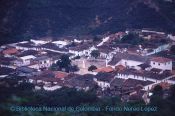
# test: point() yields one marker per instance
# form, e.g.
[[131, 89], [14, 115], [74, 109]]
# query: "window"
[[159, 64], [153, 62]]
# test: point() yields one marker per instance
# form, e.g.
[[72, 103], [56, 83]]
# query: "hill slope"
[[26, 19]]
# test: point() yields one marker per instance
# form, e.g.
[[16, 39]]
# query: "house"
[[77, 41], [145, 75], [26, 71], [147, 30], [28, 45], [119, 68], [131, 84], [105, 51], [10, 51], [134, 83], [54, 48], [103, 70], [43, 62], [7, 62], [161, 63], [60, 74], [127, 60], [153, 48], [83, 49], [103, 80], [27, 52], [41, 41], [5, 71], [55, 56], [116, 83], [24, 61], [46, 83], [83, 82], [61, 44]]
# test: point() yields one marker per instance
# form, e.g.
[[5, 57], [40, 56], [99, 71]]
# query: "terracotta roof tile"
[[10, 51], [161, 59], [105, 69]]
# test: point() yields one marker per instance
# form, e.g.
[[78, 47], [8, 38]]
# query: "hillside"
[[20, 20]]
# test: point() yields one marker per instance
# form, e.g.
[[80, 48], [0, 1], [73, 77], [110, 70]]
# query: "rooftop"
[[27, 57], [81, 81], [81, 47], [6, 71], [10, 51], [161, 59], [119, 56], [104, 69], [40, 58], [107, 77], [147, 74], [28, 52], [59, 74]]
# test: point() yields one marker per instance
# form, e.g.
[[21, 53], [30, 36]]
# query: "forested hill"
[[24, 19]]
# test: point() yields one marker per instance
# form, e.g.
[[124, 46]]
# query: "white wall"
[[102, 84], [162, 66]]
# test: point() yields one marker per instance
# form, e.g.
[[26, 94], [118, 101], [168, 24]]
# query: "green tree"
[[92, 67], [64, 62], [157, 97], [95, 53], [132, 38]]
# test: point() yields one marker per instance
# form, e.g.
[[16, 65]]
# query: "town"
[[127, 64]]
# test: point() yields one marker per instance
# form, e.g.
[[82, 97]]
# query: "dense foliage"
[[23, 94], [21, 20]]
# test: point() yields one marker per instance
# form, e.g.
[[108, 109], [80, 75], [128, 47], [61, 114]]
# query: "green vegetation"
[[64, 63], [13, 94], [92, 67], [38, 18], [95, 54], [132, 39]]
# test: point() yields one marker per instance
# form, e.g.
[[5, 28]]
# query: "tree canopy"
[[64, 62], [95, 53], [92, 67], [132, 38]]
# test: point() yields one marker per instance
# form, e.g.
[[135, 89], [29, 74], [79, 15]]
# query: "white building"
[[82, 50], [127, 60], [61, 43], [155, 50], [161, 63], [145, 75], [40, 42], [43, 62], [25, 60], [102, 84]]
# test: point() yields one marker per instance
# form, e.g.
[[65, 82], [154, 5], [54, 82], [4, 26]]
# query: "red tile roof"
[[59, 74], [10, 51], [105, 69], [161, 59]]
